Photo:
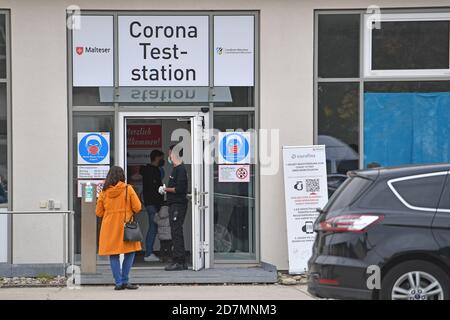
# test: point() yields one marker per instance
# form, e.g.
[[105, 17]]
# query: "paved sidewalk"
[[199, 292]]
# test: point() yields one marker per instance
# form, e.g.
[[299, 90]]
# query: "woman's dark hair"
[[115, 175]]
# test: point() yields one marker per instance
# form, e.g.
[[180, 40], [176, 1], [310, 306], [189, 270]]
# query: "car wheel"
[[415, 280]]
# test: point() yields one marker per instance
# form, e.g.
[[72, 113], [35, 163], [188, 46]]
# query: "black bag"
[[132, 231]]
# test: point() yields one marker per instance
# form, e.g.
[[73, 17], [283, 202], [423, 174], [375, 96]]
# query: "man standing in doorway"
[[153, 200], [177, 201]]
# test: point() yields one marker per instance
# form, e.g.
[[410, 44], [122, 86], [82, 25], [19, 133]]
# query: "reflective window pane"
[[3, 46], [3, 146], [338, 120], [94, 122], [234, 202], [89, 96], [338, 45], [411, 45]]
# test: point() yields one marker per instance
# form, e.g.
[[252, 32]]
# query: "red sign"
[[79, 50], [144, 136]]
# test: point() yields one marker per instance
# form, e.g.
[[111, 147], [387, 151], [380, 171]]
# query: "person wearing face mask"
[[153, 200], [176, 192]]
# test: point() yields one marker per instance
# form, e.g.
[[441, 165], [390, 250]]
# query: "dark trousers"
[[165, 250], [177, 213]]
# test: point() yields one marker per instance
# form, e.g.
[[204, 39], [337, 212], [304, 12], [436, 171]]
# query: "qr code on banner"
[[312, 185]]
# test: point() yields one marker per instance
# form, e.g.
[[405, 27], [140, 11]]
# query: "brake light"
[[349, 223]]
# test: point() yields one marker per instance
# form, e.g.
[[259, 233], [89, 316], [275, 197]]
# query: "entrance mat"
[[207, 276]]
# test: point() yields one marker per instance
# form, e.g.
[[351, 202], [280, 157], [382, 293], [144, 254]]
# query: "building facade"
[[316, 72]]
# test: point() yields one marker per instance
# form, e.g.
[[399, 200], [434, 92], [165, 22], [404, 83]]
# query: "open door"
[[200, 208]]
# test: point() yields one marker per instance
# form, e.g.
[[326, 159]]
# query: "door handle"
[[202, 207]]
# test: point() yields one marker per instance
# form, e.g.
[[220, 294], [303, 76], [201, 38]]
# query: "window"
[[405, 122], [397, 120], [338, 51], [338, 114], [4, 112], [234, 202], [415, 44], [421, 192], [86, 122], [338, 45]]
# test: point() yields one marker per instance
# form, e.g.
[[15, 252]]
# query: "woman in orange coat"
[[115, 210]]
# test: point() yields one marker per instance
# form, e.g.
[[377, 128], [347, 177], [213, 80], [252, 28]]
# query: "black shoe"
[[129, 286], [176, 267], [119, 287]]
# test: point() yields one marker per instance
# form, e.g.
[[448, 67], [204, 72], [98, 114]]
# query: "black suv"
[[385, 234]]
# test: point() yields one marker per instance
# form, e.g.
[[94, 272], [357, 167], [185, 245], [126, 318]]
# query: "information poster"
[[234, 42], [98, 183], [234, 173], [92, 172], [306, 190], [163, 51], [234, 148], [93, 55], [93, 148]]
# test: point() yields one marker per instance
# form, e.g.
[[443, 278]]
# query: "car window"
[[347, 193], [421, 192], [444, 202]]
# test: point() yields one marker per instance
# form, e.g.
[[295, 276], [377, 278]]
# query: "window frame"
[[369, 19]]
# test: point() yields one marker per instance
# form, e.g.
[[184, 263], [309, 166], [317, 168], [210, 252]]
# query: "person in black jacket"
[[176, 191], [151, 181]]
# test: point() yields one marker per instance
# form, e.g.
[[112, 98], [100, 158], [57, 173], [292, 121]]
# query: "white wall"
[[39, 98]]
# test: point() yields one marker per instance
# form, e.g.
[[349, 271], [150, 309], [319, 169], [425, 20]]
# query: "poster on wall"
[[234, 173], [305, 188], [163, 51], [234, 55], [98, 183], [3, 236], [92, 55], [92, 172], [234, 148], [93, 148]]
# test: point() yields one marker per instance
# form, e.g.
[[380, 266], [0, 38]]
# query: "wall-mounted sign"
[[98, 186], [163, 51], [234, 173], [92, 172], [143, 136], [93, 56], [234, 147], [93, 148], [234, 43], [305, 189]]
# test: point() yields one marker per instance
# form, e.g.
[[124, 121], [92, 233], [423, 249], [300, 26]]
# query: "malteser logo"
[[92, 50]]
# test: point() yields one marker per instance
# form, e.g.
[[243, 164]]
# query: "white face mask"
[[169, 160]]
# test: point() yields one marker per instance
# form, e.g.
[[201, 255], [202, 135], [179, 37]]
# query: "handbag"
[[132, 231]]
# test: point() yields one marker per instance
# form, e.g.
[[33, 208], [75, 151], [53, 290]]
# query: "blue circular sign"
[[93, 148], [234, 147]]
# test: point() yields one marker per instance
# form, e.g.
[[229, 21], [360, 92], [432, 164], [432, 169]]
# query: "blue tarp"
[[406, 128]]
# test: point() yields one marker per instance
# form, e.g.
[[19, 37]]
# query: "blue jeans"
[[121, 275], [152, 230]]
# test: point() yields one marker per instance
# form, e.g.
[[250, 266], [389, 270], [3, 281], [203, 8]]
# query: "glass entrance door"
[[141, 132]]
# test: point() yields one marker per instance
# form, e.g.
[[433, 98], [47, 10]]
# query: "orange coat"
[[111, 208]]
